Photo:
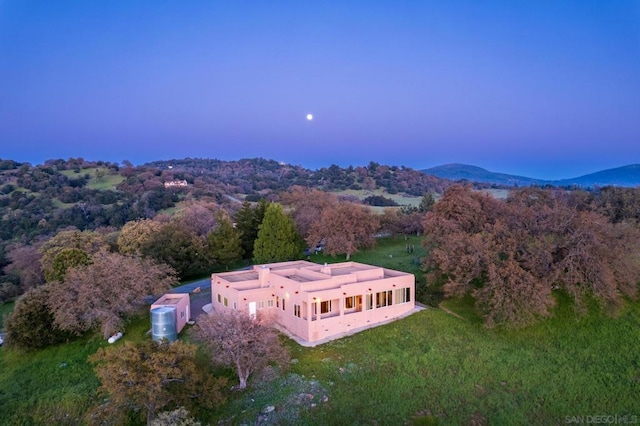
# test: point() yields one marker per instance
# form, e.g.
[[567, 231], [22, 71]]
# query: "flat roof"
[[245, 276]]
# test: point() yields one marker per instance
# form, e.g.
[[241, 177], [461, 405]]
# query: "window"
[[369, 301], [226, 302], [219, 298], [261, 304], [283, 304], [270, 303], [325, 307], [383, 299], [353, 303], [182, 314], [277, 302], [296, 310], [235, 305], [403, 295], [349, 302]]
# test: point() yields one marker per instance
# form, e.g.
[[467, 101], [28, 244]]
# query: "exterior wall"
[[182, 304], [299, 293]]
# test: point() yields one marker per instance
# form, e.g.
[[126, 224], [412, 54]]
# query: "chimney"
[[263, 276], [326, 269]]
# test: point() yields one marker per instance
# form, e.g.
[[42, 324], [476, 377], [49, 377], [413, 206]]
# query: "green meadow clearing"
[[105, 181], [429, 368]]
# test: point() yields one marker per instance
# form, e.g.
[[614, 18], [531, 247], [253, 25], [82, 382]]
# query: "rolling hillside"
[[627, 176]]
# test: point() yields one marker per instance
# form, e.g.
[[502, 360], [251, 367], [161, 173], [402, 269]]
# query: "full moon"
[[309, 117]]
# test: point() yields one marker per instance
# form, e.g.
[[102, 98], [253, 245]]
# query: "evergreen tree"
[[427, 203], [277, 239], [224, 242], [248, 219]]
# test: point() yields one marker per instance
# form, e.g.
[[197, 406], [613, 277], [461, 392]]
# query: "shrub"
[[30, 325]]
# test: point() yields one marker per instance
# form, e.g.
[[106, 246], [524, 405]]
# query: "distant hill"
[[627, 176], [469, 173], [620, 176]]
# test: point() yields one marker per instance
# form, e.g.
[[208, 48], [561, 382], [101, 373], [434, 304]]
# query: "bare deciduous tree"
[[308, 205], [344, 228], [240, 342], [103, 293], [25, 264], [510, 255]]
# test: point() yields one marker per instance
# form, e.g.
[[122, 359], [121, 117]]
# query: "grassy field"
[[55, 385], [429, 368], [401, 199], [434, 368], [389, 252], [107, 181], [5, 308]]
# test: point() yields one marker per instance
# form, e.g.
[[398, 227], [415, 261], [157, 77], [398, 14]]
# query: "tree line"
[[512, 255]]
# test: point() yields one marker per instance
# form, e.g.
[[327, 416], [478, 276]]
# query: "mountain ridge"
[[626, 176]]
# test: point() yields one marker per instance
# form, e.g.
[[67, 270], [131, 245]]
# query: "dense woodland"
[[214, 221], [73, 231]]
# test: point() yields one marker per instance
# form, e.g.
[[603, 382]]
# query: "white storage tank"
[[163, 324]]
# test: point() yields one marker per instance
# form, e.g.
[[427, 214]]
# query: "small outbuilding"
[[180, 304]]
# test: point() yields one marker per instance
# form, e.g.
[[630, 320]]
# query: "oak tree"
[[31, 324], [65, 260], [102, 294], [241, 342], [150, 376], [89, 242], [135, 234], [224, 242], [25, 264], [308, 205], [344, 229], [511, 255], [179, 248]]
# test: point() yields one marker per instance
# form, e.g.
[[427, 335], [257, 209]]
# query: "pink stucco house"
[[315, 303]]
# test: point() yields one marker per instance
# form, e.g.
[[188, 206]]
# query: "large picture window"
[[383, 298], [403, 295], [353, 303], [350, 302], [325, 307]]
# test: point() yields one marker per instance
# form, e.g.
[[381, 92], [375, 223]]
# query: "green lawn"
[[401, 199], [5, 308], [55, 385], [390, 252], [432, 367], [435, 368]]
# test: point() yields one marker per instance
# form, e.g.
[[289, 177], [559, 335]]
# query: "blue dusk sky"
[[547, 89]]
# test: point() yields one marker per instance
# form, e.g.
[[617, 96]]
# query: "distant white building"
[[176, 183]]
